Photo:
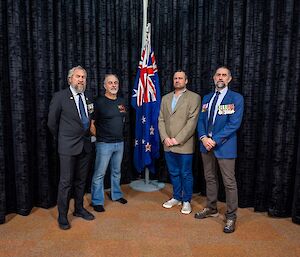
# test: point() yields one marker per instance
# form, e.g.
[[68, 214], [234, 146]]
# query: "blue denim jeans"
[[181, 175], [107, 154]]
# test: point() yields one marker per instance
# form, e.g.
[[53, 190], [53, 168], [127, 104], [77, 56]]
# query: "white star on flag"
[[143, 119], [148, 147], [143, 141], [135, 93], [136, 142], [151, 130]]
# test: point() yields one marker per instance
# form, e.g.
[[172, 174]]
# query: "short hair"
[[110, 74], [185, 73], [224, 67], [71, 71]]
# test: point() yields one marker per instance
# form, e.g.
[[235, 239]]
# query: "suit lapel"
[[72, 104], [206, 113], [210, 96], [181, 100], [169, 103], [226, 97], [224, 101]]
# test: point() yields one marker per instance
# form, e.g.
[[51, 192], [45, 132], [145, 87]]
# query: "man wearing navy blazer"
[[69, 123], [220, 118]]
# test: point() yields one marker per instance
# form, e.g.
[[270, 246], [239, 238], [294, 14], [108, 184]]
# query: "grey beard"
[[76, 88], [220, 85]]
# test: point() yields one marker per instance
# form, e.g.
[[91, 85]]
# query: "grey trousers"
[[227, 167]]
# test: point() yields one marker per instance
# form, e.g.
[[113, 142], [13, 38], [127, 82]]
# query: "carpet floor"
[[143, 228]]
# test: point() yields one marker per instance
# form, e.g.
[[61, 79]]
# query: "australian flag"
[[146, 102]]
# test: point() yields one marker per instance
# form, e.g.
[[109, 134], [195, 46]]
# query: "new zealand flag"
[[146, 102]]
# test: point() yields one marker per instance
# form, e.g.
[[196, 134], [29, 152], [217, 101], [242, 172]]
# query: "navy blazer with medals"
[[65, 123], [227, 121]]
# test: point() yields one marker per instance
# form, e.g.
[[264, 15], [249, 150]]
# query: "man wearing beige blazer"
[[177, 123]]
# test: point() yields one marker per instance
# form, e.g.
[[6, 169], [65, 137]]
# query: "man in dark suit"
[[69, 123], [220, 117]]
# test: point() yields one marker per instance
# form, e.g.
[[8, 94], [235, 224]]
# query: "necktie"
[[84, 118], [211, 114]]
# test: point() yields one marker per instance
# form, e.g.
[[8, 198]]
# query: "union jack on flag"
[[146, 102]]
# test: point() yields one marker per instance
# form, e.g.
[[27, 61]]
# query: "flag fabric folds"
[[146, 102]]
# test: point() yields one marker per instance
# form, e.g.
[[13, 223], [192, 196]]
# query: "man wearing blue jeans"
[[177, 122], [108, 125]]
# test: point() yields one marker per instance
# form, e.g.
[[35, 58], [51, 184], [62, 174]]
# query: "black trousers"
[[73, 173]]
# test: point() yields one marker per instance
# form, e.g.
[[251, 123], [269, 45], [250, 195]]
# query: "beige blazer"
[[181, 123]]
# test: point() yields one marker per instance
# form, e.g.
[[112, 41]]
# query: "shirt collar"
[[181, 91], [223, 91], [74, 91]]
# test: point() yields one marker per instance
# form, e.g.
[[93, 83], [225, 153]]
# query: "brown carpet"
[[144, 228]]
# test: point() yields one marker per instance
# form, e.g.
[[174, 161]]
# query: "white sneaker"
[[186, 208], [172, 202]]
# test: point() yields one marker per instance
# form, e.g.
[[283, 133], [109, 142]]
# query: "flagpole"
[[146, 27], [146, 185], [145, 22]]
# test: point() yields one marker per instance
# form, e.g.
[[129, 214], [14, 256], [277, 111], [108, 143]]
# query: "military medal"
[[226, 109], [204, 107], [90, 108]]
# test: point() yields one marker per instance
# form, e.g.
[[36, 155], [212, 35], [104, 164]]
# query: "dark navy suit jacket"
[[227, 122], [65, 124]]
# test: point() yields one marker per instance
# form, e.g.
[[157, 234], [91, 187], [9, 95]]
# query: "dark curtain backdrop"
[[259, 40]]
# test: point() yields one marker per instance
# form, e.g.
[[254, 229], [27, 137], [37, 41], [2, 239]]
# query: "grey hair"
[[107, 75], [224, 67], [71, 71]]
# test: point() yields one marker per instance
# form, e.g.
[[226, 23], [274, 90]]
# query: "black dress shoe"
[[122, 200], [98, 208], [83, 213], [229, 226], [63, 223]]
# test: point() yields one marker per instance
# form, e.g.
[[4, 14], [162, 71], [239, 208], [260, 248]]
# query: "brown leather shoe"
[[205, 213]]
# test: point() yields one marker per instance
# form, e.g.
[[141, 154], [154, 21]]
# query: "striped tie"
[[84, 118]]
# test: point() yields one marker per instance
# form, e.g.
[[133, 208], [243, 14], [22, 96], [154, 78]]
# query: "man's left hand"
[[174, 141]]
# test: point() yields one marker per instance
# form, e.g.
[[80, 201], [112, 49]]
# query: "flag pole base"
[[151, 186], [146, 185]]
